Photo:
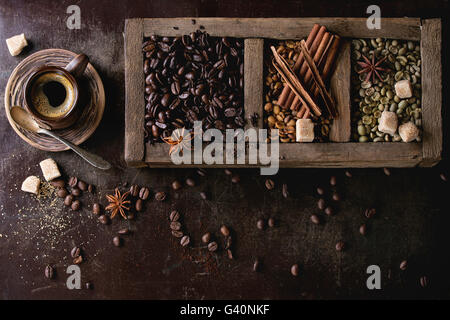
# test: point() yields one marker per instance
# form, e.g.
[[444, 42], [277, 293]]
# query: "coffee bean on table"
[[176, 185], [201, 172], [363, 229], [96, 208], [370, 212], [212, 246], [73, 181], [423, 281], [230, 254], [177, 233], [295, 270], [117, 241], [49, 272], [206, 237], [185, 241], [270, 184], [315, 219], [76, 205], [260, 224], [134, 190], [256, 265], [333, 181], [340, 246], [82, 185], [235, 178], [62, 193], [190, 182], [139, 205], [387, 171], [75, 252], [144, 193], [336, 196], [160, 196], [403, 265], [443, 177], [271, 222], [203, 195], [76, 192], [104, 219], [58, 183], [228, 172], [78, 260], [329, 211], [224, 230], [124, 231], [90, 188], [321, 204], [175, 225], [174, 215], [320, 191], [348, 174], [285, 191], [68, 200]]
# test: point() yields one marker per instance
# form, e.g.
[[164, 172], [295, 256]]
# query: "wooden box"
[[255, 30]]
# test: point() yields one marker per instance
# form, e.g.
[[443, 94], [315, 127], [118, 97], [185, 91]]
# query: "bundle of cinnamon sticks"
[[309, 74]]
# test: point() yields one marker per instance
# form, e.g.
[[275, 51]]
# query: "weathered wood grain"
[[431, 91], [284, 28], [134, 93], [340, 90], [253, 80]]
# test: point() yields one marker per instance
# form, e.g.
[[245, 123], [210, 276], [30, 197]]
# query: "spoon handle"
[[93, 159]]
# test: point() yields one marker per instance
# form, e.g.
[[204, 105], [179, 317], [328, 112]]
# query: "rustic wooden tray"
[[254, 31]]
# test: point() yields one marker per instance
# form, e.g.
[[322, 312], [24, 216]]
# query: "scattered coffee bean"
[[228, 172], [144, 193], [175, 225], [104, 219], [89, 285], [212, 246], [348, 174], [340, 246], [333, 181], [321, 204], [62, 193], [224, 230], [403, 265], [256, 265], [443, 177], [201, 172], [90, 188], [295, 270], [285, 191], [228, 243], [177, 233], [260, 224], [124, 231], [174, 215], [329, 211], [96, 208], [190, 182], [76, 192], [76, 205], [160, 196], [78, 260], [230, 254], [206, 237], [139, 205], [117, 241], [387, 171], [423, 281], [336, 196], [270, 184], [73, 181], [203, 195], [58, 183], [363, 229], [235, 178], [315, 219], [185, 241], [370, 212], [176, 185], [271, 222], [82, 185], [49, 272], [320, 191], [134, 190], [75, 252]]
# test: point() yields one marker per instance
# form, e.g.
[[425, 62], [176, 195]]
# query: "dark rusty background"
[[412, 219]]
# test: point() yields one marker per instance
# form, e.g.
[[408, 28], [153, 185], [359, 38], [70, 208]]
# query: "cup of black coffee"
[[52, 94]]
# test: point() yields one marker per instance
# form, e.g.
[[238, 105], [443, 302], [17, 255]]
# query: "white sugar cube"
[[408, 132], [31, 184], [16, 44], [388, 122], [304, 130], [403, 89], [49, 169]]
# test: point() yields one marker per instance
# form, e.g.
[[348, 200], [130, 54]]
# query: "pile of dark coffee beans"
[[192, 78], [77, 187]]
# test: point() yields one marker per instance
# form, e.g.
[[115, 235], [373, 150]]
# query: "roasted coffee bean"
[[75, 252], [370, 212], [68, 200], [49, 272], [117, 241], [124, 231], [285, 191], [270, 184], [82, 185], [176, 185], [175, 225], [295, 270], [185, 241], [58, 183], [96, 208], [78, 260], [363, 229], [230, 254], [321, 204], [160, 196], [177, 233], [423, 281], [336, 196], [403, 265], [256, 265], [340, 246], [144, 193], [348, 174], [174, 215], [104, 219], [139, 205], [271, 222], [443, 177], [206, 237], [333, 181], [73, 181], [204, 195], [387, 171], [235, 178], [329, 211], [134, 190], [260, 224], [201, 172], [90, 188], [76, 205], [224, 230], [315, 219], [76, 192], [62, 193], [228, 172], [320, 191], [212, 246], [190, 182]]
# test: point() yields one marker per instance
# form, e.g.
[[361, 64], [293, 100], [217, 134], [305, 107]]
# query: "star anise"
[[117, 203], [372, 68]]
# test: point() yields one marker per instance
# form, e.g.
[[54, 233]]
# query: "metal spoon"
[[23, 119]]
